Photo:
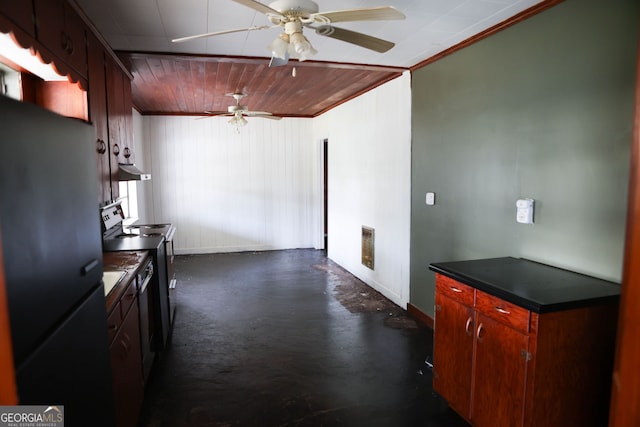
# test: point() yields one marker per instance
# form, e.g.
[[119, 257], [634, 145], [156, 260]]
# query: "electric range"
[[167, 231]]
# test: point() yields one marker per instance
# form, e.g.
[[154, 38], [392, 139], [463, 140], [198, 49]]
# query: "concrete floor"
[[288, 338]]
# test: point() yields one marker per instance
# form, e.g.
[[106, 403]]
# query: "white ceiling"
[[431, 27]]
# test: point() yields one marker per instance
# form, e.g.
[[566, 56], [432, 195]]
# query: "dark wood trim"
[[256, 60], [174, 113], [625, 410], [420, 315], [525, 14]]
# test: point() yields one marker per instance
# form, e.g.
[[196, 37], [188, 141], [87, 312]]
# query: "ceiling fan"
[[238, 112], [293, 15]]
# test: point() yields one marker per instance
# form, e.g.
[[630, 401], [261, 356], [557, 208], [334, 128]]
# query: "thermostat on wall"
[[524, 211]]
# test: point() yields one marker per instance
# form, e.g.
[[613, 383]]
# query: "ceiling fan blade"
[[363, 40], [210, 114], [218, 33], [383, 13], [265, 116], [256, 113], [262, 8]]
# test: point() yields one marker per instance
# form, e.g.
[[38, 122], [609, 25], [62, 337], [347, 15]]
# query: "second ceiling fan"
[[238, 112], [293, 15]]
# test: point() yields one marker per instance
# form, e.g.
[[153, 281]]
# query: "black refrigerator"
[[51, 241]]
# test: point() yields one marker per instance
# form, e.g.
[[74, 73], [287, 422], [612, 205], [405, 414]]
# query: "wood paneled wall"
[[228, 191]]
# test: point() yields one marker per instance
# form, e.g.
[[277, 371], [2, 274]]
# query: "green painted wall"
[[543, 110]]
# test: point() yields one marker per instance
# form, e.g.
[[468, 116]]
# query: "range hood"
[[129, 172]]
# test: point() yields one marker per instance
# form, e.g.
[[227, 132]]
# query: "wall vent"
[[368, 246]]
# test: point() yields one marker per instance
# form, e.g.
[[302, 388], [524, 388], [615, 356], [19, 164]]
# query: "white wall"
[[369, 159], [227, 191]]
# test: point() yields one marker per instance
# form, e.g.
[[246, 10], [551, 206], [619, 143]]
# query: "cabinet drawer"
[[455, 290], [503, 311]]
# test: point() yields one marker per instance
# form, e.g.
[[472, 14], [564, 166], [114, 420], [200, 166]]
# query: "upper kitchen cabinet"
[[17, 16], [95, 87], [120, 120], [61, 30], [98, 113], [127, 103]]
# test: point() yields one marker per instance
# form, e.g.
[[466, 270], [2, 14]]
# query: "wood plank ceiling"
[[171, 84]]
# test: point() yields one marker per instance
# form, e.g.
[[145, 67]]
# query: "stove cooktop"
[[149, 229], [132, 243]]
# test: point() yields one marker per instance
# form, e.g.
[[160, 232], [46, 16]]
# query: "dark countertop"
[[131, 262], [537, 287]]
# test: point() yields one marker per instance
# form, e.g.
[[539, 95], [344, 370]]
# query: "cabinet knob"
[[63, 40], [115, 150], [69, 48], [454, 289], [101, 147]]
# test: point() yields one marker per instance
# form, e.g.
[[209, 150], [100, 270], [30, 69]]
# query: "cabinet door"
[[126, 366], [127, 104], [116, 121], [500, 363], [62, 31], [20, 13], [453, 353], [98, 115]]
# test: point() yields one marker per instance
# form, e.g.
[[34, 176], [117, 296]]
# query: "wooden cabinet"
[[454, 329], [98, 114], [60, 29], [500, 364], [483, 378], [99, 89], [110, 108], [499, 368], [17, 14], [120, 120], [126, 358]]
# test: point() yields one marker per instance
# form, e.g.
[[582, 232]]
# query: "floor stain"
[[358, 297]]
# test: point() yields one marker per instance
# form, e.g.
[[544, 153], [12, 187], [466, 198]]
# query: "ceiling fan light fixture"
[[238, 120], [279, 46], [302, 46], [308, 54]]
